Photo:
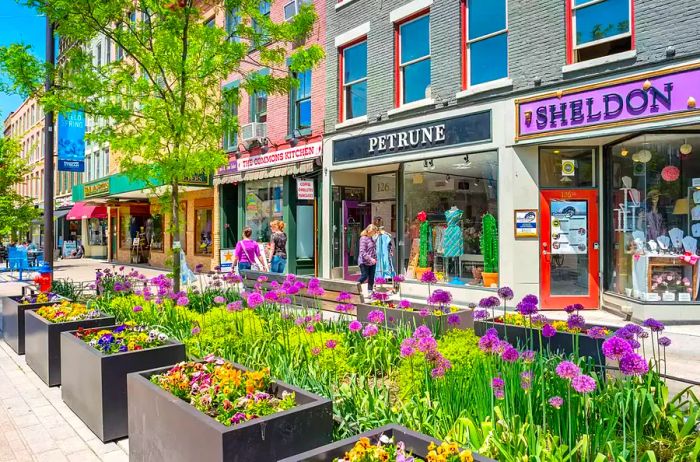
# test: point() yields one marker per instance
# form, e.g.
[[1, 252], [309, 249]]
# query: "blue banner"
[[71, 142]]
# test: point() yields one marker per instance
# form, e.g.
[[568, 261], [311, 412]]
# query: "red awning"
[[81, 210]]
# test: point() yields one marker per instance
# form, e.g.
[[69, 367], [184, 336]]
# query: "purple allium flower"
[[235, 306], [440, 297], [255, 299], [556, 402], [196, 330], [380, 296], [597, 332], [635, 329], [634, 344], [355, 326], [548, 331], [399, 278], [654, 325], [407, 347], [569, 309], [583, 384], [343, 297], [428, 277], [487, 302], [422, 332], [182, 301], [331, 344], [316, 291], [499, 393], [271, 296], [644, 334], [487, 343], [380, 280], [526, 309], [510, 354], [138, 308], [624, 333], [528, 356], [531, 299], [615, 348], [404, 304], [664, 341], [497, 382], [423, 313], [453, 320], [344, 308], [576, 322], [568, 370], [506, 293], [426, 344], [633, 364], [310, 329], [315, 351], [526, 380], [370, 330], [219, 299], [376, 316], [480, 314]]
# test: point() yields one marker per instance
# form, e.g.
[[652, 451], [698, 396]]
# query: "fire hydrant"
[[43, 281]]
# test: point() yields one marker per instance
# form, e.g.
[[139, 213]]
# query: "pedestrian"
[[368, 256], [247, 253], [278, 247]]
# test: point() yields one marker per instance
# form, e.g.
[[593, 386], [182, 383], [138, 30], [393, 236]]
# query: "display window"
[[97, 231], [202, 231], [445, 201], [654, 217], [263, 204]]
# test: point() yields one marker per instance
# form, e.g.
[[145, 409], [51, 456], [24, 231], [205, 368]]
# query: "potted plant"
[[94, 365], [489, 249], [223, 412], [13, 309], [43, 329], [389, 443]]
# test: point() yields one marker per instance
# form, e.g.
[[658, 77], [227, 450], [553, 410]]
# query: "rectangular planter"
[[562, 342], [13, 320], [438, 324], [42, 341], [416, 444], [164, 427], [93, 385]]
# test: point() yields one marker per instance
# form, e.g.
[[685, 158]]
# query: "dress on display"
[[453, 242], [385, 266]]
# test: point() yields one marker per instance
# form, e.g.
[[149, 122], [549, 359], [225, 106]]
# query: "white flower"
[[162, 337], [385, 439]]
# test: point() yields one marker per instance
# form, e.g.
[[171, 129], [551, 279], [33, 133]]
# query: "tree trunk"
[[177, 245]]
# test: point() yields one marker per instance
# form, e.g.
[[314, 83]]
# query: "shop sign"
[[305, 190], [653, 96], [526, 223], [455, 131], [196, 180], [226, 259], [568, 167], [98, 188], [71, 141], [273, 158]]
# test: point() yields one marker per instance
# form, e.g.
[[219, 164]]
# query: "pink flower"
[[583, 384], [548, 331], [370, 330], [331, 344], [355, 326], [556, 402], [568, 370]]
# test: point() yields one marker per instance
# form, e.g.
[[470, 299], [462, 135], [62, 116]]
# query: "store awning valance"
[[260, 174], [81, 210]]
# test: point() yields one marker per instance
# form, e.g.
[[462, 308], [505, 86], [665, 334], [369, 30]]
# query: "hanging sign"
[[526, 223], [568, 167], [305, 190], [71, 141]]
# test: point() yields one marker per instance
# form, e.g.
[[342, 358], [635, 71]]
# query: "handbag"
[[254, 266]]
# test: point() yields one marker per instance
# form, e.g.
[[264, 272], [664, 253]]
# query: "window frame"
[[254, 115], [399, 67], [228, 144], [197, 231], [342, 103], [571, 45], [231, 22], [294, 106], [466, 44]]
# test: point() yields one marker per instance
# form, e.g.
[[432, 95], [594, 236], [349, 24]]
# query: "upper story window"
[[353, 83], [413, 72], [231, 108], [258, 107], [599, 28], [300, 116], [211, 23], [292, 8], [108, 51], [98, 54], [486, 47], [264, 9], [233, 20]]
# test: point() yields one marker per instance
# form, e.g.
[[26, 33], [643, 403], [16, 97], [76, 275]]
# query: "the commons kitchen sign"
[[648, 97], [455, 131]]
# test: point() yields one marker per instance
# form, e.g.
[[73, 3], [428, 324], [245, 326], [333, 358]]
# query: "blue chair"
[[18, 261]]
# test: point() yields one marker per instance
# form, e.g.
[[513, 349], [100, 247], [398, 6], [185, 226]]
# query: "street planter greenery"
[[13, 309], [183, 424], [416, 315], [93, 381], [381, 444], [43, 340]]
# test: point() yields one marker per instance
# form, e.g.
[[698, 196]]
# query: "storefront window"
[[97, 231], [154, 232], [263, 203], [202, 231], [454, 192], [305, 231], [567, 167], [654, 199]]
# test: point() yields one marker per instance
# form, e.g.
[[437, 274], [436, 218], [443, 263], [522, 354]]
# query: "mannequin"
[[453, 242], [654, 220], [385, 265]]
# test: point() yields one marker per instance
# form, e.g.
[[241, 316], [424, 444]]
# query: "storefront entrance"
[[569, 248], [356, 217]]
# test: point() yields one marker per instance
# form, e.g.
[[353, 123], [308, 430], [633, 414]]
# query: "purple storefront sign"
[[653, 96]]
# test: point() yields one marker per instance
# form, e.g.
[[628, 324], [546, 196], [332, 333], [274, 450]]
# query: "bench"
[[328, 301]]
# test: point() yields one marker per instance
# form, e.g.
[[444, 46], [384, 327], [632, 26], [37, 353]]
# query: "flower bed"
[[94, 365], [43, 329], [235, 415], [13, 309]]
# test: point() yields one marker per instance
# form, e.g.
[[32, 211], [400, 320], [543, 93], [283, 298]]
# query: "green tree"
[[161, 100], [16, 211]]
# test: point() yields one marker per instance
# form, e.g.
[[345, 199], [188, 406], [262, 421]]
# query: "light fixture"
[[686, 148], [463, 165], [294, 140], [642, 156], [476, 182], [556, 151], [624, 152], [242, 150], [432, 164]]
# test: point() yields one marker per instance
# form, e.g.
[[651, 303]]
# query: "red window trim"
[[463, 45], [570, 30], [341, 75], [397, 52]]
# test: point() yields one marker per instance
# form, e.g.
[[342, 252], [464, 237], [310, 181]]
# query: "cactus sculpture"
[[424, 240], [489, 243]]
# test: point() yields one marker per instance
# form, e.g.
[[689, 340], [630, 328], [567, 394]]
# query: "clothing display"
[[453, 242], [439, 239], [385, 264]]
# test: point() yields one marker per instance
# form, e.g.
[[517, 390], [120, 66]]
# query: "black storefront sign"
[[455, 131]]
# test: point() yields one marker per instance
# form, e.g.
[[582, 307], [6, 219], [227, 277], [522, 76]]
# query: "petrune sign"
[[455, 131], [647, 97]]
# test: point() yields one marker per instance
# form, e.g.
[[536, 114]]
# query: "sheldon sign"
[[653, 96]]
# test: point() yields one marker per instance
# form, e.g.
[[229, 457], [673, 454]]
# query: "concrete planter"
[[416, 444], [438, 324], [13, 320], [43, 343], [562, 342], [164, 427], [93, 385]]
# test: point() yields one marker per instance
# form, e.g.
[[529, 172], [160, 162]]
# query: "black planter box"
[[416, 444], [438, 324], [93, 385], [562, 342], [42, 341], [13, 320], [164, 427]]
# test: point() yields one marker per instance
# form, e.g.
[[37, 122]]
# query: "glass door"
[[569, 248], [356, 217]]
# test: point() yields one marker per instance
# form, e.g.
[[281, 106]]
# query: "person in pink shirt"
[[247, 252]]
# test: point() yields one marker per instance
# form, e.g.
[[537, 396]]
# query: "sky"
[[19, 23]]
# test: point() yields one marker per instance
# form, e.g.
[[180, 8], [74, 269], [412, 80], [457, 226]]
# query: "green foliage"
[[489, 243], [16, 211], [423, 244], [68, 289]]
